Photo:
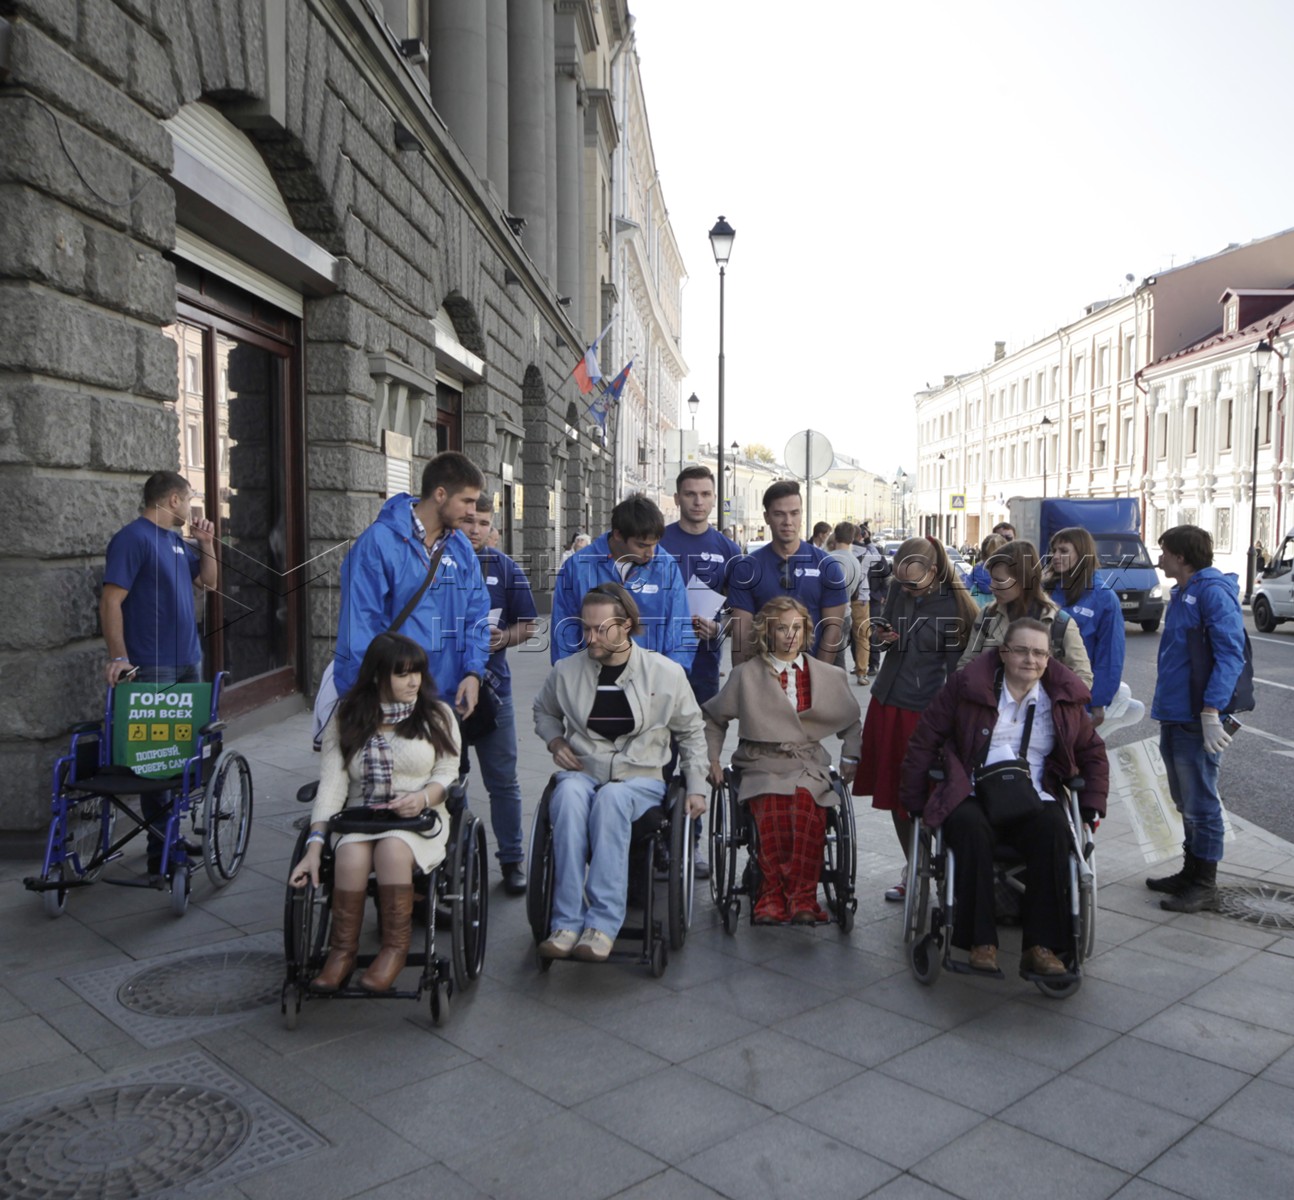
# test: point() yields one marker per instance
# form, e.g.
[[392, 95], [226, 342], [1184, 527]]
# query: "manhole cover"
[[1262, 904], [206, 985], [120, 1142]]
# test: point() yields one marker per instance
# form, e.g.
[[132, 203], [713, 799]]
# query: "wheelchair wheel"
[[181, 881], [659, 959], [916, 900], [54, 901], [720, 834], [441, 990], [539, 886], [1087, 915], [469, 879], [925, 958], [840, 863], [305, 924], [682, 883], [226, 816], [1059, 991]]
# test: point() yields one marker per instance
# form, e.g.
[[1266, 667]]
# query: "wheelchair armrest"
[[1076, 783], [212, 727], [306, 793], [87, 727]]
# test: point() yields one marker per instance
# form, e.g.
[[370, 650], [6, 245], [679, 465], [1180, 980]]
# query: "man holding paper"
[[512, 621], [703, 555]]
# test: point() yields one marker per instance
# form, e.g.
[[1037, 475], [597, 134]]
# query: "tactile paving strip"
[[189, 993], [173, 1129], [1262, 904]]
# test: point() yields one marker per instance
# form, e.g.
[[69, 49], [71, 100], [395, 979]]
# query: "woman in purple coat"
[[976, 720]]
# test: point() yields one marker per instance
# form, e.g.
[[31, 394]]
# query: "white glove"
[[1216, 739]]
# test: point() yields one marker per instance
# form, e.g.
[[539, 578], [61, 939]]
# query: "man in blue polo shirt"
[[787, 566], [146, 609], [512, 621], [703, 555], [629, 554]]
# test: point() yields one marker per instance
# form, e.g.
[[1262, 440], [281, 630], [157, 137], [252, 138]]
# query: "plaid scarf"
[[376, 764]]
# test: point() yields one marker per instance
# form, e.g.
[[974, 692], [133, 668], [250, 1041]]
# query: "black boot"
[[1200, 895], [1174, 885]]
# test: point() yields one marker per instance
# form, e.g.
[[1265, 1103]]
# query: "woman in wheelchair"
[[392, 746], [979, 719], [606, 716], [785, 703]]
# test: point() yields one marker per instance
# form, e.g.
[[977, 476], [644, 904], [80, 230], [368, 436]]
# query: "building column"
[[496, 55], [459, 78], [570, 188], [529, 77], [550, 136]]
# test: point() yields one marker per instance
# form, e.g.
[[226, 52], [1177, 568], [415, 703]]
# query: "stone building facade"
[[293, 248], [1122, 398]]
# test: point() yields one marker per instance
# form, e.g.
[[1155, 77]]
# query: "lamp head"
[[693, 403], [721, 239], [1262, 354]]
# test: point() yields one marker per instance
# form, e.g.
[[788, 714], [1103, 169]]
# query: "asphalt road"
[[1256, 770]]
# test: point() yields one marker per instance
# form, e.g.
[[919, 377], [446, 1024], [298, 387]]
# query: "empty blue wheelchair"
[[197, 807]]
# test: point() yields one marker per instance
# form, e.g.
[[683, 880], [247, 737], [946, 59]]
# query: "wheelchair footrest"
[[1052, 980], [34, 884], [960, 966]]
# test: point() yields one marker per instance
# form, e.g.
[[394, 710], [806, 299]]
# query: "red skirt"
[[792, 830], [886, 734]]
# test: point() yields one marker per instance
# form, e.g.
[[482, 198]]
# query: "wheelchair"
[[930, 904], [453, 895], [660, 851], [733, 830], [213, 791]]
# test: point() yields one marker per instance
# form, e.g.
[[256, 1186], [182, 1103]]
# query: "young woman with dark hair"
[[392, 745], [1075, 588], [924, 623]]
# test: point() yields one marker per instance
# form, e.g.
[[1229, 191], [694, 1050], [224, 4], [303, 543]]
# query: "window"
[[1127, 439], [1228, 411], [1054, 391], [1222, 529], [1078, 374], [1077, 449], [1010, 463], [1102, 366], [1231, 316], [193, 455], [1264, 418], [1265, 527], [1038, 384], [1024, 393], [192, 374], [1098, 448], [1015, 398], [1188, 516], [1129, 356], [1161, 435], [1192, 423]]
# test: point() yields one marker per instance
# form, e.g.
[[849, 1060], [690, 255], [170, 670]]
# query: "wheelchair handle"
[[1076, 783], [306, 793]]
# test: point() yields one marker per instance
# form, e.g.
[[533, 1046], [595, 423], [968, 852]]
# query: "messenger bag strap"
[[422, 588]]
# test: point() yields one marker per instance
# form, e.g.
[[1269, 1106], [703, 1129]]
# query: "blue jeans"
[[592, 824], [496, 755], [1193, 782], [155, 807]]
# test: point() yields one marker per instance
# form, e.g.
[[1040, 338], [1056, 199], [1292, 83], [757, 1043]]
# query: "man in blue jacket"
[[1204, 612], [628, 554], [389, 562], [512, 621]]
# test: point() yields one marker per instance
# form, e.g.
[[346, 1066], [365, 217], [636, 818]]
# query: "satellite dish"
[[809, 455]]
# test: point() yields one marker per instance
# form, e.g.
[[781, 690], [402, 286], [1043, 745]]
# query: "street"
[[1255, 768]]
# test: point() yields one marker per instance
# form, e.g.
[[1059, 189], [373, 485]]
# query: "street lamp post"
[[1044, 425], [901, 480], [736, 454], [939, 515], [1262, 355], [721, 239], [693, 403]]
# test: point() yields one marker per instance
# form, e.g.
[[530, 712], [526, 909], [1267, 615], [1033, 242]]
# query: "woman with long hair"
[[392, 745], [785, 703], [922, 627], [981, 584], [1016, 574], [1095, 609]]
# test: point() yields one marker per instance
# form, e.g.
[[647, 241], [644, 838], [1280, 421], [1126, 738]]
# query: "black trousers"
[[1044, 842]]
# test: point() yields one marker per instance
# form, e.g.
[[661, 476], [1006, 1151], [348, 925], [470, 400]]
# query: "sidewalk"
[[776, 1062]]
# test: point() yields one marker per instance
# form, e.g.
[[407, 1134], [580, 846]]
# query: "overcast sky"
[[911, 182]]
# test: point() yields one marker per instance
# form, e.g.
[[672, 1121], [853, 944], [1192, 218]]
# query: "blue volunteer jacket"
[[657, 587], [1100, 621], [1210, 602], [383, 570]]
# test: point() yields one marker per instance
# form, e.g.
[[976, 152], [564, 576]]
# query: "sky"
[[911, 182]]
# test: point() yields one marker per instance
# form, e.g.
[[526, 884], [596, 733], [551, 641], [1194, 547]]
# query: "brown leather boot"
[[395, 902], [343, 941]]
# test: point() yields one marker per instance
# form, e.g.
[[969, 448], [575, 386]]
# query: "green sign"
[[155, 725]]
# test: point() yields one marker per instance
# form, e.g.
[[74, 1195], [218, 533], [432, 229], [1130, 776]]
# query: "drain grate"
[[1262, 904], [189, 993], [177, 1128], [206, 985]]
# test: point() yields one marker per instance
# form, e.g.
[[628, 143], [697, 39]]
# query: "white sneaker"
[[594, 946], [900, 890], [560, 943]]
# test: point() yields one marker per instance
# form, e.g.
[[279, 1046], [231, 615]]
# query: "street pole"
[[1251, 570], [719, 474], [808, 483]]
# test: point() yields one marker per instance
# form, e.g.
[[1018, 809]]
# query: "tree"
[[758, 452]]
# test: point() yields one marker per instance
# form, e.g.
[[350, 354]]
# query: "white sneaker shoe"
[[593, 946], [560, 943], [899, 890]]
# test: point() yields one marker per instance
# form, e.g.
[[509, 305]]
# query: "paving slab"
[[773, 1069], [1181, 1083], [1211, 1164]]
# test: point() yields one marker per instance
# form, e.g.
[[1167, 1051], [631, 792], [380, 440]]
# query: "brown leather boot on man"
[[343, 941], [395, 903]]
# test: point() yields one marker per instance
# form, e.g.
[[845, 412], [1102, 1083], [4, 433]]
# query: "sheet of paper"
[[495, 614], [703, 601]]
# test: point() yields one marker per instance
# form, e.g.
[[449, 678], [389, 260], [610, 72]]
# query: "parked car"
[[1274, 591]]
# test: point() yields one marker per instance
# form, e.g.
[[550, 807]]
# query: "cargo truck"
[[1115, 525]]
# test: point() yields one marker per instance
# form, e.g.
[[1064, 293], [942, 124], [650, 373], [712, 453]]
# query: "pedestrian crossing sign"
[[957, 502]]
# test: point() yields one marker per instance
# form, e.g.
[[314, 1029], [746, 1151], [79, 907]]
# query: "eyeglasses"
[[1027, 652]]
